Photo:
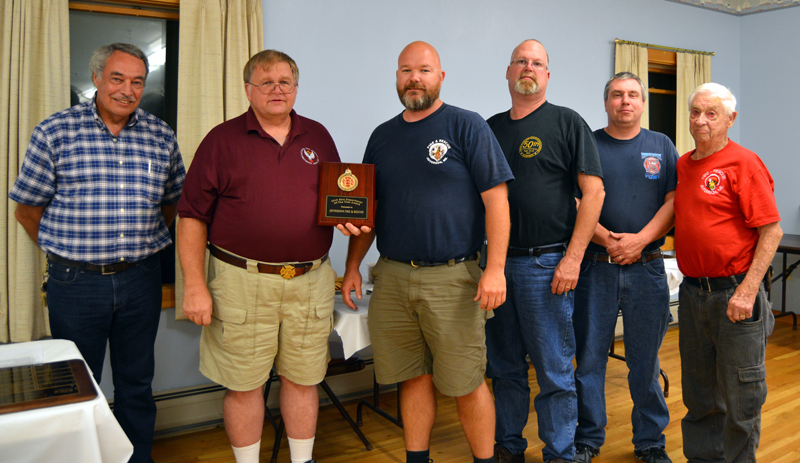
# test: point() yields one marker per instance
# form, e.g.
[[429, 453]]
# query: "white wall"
[[347, 54], [768, 105], [768, 116]]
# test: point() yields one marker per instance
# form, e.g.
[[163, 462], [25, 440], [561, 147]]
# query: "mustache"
[[414, 86]]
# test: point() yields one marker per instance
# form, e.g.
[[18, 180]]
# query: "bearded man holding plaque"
[[251, 198], [440, 180]]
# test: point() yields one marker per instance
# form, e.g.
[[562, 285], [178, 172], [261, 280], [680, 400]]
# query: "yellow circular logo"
[[530, 147], [347, 181]]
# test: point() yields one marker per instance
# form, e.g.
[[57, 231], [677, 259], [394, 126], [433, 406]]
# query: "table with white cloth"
[[85, 432], [351, 325]]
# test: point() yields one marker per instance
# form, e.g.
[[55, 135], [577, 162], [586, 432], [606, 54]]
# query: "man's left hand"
[[492, 289], [350, 229], [740, 306], [566, 275], [628, 248]]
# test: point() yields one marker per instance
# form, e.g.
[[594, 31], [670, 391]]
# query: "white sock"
[[300, 449], [247, 454]]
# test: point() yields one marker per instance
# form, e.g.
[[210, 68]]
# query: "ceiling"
[[740, 7]]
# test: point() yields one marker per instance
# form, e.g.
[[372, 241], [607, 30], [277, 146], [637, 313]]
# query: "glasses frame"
[[523, 63], [271, 86]]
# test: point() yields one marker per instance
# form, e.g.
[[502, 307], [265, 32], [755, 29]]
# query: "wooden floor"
[[337, 443]]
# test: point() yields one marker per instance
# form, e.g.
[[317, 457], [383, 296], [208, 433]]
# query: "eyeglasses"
[[523, 63], [267, 87]]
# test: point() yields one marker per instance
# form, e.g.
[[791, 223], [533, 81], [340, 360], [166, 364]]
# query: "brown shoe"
[[503, 455]]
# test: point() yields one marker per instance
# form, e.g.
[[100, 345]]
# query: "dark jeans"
[[724, 377], [535, 322], [641, 292], [122, 310]]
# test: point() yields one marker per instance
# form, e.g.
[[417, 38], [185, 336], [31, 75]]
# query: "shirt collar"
[[252, 124]]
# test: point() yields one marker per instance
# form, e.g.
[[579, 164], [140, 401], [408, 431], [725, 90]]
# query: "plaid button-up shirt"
[[103, 193]]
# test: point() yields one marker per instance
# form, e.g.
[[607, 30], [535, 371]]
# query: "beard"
[[421, 103], [525, 86]]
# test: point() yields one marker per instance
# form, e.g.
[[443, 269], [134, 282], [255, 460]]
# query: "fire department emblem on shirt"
[[347, 181], [652, 165], [530, 147], [309, 156], [712, 182], [437, 151]]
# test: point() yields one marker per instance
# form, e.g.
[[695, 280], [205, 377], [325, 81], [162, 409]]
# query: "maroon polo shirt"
[[259, 198]]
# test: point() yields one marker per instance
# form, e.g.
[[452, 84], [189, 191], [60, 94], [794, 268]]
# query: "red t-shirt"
[[719, 203], [260, 199]]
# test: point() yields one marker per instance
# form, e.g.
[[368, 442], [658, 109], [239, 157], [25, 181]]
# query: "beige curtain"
[[694, 69], [34, 83], [217, 37], [633, 58]]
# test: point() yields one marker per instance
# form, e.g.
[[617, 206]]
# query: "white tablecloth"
[[674, 276], [84, 432], [351, 325]]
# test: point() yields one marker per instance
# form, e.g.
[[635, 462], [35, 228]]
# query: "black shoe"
[[584, 453], [652, 455], [503, 455]]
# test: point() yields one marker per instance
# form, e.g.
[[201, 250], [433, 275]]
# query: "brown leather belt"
[[107, 269], [287, 271], [603, 257]]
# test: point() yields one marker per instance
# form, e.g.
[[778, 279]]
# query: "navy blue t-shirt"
[[429, 176], [637, 174]]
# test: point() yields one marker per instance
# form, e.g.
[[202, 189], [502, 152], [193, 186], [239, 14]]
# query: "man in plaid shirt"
[[97, 190]]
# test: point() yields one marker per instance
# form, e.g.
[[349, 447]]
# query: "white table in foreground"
[[85, 432], [351, 325]]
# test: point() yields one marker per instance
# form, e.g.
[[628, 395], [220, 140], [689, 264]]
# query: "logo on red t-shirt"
[[309, 156], [712, 182]]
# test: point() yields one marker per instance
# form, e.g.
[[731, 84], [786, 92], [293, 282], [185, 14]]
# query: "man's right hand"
[[350, 282], [197, 305]]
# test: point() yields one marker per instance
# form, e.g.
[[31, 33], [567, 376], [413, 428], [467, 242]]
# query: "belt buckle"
[[288, 271], [103, 270], [707, 285], [610, 259], [414, 265]]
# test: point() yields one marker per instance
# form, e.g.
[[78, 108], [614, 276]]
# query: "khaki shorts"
[[258, 319], [424, 321]]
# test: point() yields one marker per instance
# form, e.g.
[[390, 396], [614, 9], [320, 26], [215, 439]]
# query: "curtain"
[[217, 37], [633, 58], [694, 69], [34, 83]]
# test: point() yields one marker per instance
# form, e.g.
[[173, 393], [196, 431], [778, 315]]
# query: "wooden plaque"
[[45, 385], [347, 194]]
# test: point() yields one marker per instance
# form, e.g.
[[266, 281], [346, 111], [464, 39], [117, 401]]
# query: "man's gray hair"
[[625, 76], [718, 91], [102, 54]]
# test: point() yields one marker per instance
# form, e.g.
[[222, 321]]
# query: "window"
[[662, 92]]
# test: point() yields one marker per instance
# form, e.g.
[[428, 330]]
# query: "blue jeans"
[[722, 364], [122, 310], [536, 322], [641, 292]]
